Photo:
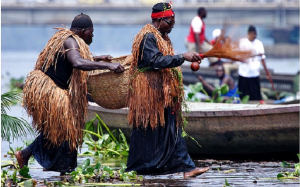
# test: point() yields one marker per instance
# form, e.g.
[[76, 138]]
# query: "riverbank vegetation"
[[12, 127]]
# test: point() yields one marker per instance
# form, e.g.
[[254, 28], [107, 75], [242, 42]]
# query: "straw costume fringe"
[[149, 92], [57, 113]]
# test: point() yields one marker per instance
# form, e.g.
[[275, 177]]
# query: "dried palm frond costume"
[[55, 96], [155, 96], [57, 113], [150, 91]]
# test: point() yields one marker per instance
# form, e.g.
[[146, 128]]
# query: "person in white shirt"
[[196, 40], [249, 82]]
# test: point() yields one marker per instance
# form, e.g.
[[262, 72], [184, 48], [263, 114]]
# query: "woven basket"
[[109, 89]]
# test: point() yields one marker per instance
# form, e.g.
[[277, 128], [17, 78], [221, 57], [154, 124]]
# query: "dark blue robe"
[[163, 150]]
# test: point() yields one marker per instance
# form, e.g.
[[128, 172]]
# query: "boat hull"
[[227, 128]]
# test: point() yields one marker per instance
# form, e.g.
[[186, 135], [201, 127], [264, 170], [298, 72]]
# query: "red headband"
[[163, 14]]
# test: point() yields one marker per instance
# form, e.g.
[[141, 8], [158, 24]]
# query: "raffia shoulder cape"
[[57, 113], [149, 91]]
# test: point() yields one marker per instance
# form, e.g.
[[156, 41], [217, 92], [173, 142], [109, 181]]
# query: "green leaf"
[[90, 170], [87, 153], [111, 145], [124, 139], [245, 99], [24, 172], [13, 127], [191, 95], [28, 183], [280, 175], [100, 128], [107, 168], [285, 164], [86, 163], [14, 176], [224, 89], [124, 153], [97, 166], [93, 133], [105, 126], [96, 153], [89, 125]]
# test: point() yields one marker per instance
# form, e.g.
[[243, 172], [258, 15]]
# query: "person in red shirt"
[[196, 40]]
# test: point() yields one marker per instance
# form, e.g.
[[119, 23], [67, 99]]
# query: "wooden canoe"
[[282, 82], [228, 129]]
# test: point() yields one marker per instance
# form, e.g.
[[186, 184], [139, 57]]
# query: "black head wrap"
[[160, 7], [251, 28], [82, 21], [160, 10]]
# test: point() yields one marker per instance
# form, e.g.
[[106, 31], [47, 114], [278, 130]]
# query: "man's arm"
[[151, 56], [205, 84], [78, 62]]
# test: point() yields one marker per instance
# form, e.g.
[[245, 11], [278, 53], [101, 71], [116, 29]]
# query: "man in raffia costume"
[[55, 96], [155, 97]]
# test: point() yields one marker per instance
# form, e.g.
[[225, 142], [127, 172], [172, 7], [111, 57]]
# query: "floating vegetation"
[[84, 175], [14, 179], [99, 173], [107, 144], [290, 175], [226, 183]]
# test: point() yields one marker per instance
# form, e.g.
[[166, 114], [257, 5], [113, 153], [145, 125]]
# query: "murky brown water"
[[237, 173]]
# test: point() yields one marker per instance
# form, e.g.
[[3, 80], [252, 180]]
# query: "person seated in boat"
[[55, 96], [224, 79], [154, 100]]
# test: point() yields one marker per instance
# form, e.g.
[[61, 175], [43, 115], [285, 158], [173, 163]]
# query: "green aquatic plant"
[[226, 183], [216, 94], [12, 127], [290, 175], [87, 172], [12, 151], [106, 145], [13, 179]]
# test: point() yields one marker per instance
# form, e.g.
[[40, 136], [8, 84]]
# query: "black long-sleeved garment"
[[151, 57], [163, 150]]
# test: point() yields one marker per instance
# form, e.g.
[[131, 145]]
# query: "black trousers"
[[249, 86], [60, 159]]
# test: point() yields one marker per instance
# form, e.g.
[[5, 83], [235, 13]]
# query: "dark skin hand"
[[192, 57], [78, 62], [106, 58]]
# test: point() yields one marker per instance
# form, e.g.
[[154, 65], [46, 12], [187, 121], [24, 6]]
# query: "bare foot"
[[195, 172], [20, 159]]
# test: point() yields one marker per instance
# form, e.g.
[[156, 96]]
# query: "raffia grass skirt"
[[51, 110]]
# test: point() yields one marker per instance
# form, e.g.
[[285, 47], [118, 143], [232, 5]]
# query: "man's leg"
[[23, 157], [191, 47]]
